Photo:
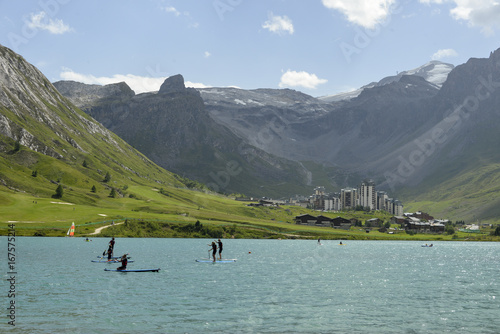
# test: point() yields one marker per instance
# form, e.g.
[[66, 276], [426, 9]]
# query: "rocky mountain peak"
[[173, 84], [82, 94]]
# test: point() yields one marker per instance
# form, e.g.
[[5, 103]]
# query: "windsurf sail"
[[71, 231]]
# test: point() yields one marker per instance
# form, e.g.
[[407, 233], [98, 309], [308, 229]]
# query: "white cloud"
[[195, 84], [41, 21], [137, 83], [300, 79], [365, 13], [477, 13], [207, 54], [172, 10], [444, 53], [278, 24]]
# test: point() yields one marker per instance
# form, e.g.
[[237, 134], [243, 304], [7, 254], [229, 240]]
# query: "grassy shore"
[[183, 213]]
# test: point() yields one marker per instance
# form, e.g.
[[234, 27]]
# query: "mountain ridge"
[[173, 129], [405, 134], [434, 72]]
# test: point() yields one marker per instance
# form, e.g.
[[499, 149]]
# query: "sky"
[[318, 47]]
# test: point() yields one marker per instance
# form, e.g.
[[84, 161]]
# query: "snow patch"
[[255, 102]]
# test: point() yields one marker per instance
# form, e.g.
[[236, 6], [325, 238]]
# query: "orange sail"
[[71, 231]]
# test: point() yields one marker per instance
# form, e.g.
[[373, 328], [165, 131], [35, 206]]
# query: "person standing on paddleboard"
[[112, 244], [110, 253], [214, 250], [219, 243], [124, 261]]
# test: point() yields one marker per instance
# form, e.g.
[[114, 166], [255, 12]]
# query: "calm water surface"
[[274, 287]]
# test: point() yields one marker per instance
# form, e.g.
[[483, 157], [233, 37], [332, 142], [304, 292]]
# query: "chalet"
[[305, 220], [437, 227], [374, 222], [341, 223], [415, 225], [421, 215], [324, 221], [400, 220]]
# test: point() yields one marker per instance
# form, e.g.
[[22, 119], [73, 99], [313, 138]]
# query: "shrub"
[[17, 146], [449, 230]]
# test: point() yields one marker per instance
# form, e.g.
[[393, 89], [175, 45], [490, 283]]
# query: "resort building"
[[349, 198], [367, 195]]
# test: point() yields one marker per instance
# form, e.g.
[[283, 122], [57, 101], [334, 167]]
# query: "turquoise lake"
[[275, 286]]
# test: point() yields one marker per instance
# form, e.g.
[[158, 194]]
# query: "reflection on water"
[[274, 287]]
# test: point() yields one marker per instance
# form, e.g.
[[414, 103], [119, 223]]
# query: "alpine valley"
[[428, 136]]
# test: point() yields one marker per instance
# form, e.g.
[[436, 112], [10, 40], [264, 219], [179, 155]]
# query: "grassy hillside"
[[147, 207], [470, 196]]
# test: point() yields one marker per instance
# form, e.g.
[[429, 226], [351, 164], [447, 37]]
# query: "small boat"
[[71, 231], [133, 270]]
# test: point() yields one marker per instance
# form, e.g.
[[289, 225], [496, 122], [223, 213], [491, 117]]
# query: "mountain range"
[[431, 143]]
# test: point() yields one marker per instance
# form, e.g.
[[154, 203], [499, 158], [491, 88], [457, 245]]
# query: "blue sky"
[[319, 47]]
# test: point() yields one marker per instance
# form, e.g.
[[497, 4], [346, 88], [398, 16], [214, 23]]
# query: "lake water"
[[275, 286]]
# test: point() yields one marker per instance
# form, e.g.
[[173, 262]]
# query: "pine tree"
[[59, 192], [94, 189], [107, 178], [112, 193]]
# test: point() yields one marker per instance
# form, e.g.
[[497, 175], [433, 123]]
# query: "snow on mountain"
[[434, 72]]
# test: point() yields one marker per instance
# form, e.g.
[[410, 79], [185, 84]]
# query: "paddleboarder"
[[220, 249], [124, 261], [110, 253], [214, 250], [112, 244]]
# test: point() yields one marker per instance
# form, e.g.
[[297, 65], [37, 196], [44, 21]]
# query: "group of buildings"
[[365, 196], [418, 222]]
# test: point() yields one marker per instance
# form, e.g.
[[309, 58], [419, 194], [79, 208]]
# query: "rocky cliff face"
[[60, 142], [344, 134], [81, 94], [173, 128], [27, 96], [402, 133], [381, 132]]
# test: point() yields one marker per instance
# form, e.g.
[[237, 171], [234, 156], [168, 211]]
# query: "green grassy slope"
[[469, 196]]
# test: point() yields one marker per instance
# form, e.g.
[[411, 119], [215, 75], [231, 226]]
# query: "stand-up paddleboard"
[[133, 270], [113, 257], [216, 261], [112, 261]]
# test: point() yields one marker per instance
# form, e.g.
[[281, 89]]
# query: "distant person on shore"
[[124, 262], [219, 243], [214, 250]]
